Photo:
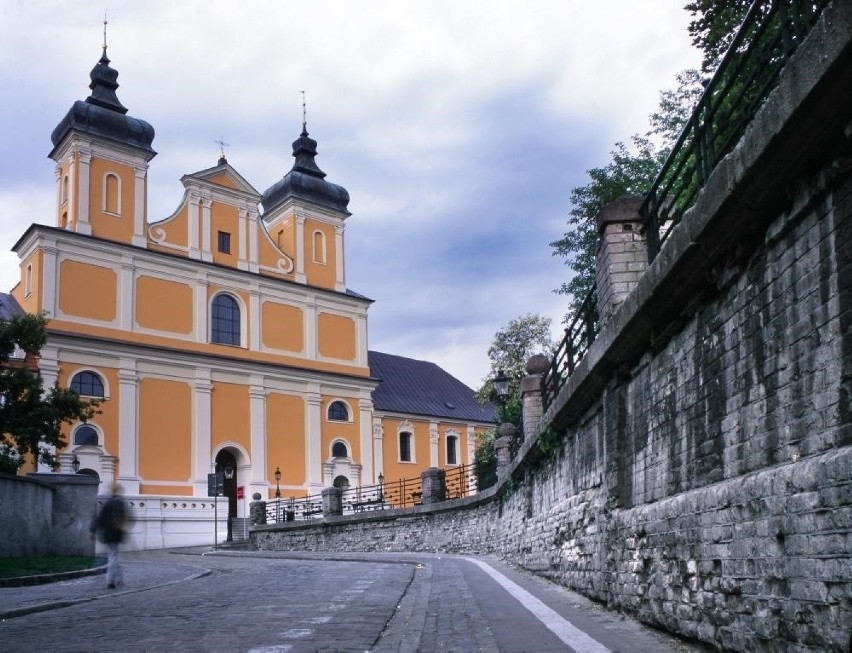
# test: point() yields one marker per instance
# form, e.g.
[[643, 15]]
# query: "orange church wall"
[[31, 302], [336, 336], [230, 419], [317, 273], [285, 440], [87, 290], [269, 253], [224, 180], [112, 225], [396, 469], [165, 430], [164, 305], [224, 218], [283, 327], [175, 229], [173, 490]]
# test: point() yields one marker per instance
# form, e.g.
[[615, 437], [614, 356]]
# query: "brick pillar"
[[257, 509], [622, 254], [434, 482], [503, 446], [533, 408], [332, 501]]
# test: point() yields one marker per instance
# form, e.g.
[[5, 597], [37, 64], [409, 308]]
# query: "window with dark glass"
[[86, 435], [338, 411], [452, 444], [225, 321], [224, 242], [87, 384], [405, 447], [339, 450]]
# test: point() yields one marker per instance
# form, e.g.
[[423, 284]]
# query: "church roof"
[[306, 181], [9, 307], [418, 387], [102, 114]]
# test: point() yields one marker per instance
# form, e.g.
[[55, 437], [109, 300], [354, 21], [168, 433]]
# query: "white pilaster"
[[254, 320], [254, 228], [471, 445], [313, 440], [50, 280], [83, 224], [73, 192], [139, 208], [300, 248], [58, 171], [340, 263], [257, 411], [128, 425], [365, 427], [201, 310], [202, 459], [378, 447], [433, 444], [192, 227], [206, 254], [361, 341], [242, 237]]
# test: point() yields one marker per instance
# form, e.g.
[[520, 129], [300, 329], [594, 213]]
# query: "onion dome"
[[306, 181], [103, 115]]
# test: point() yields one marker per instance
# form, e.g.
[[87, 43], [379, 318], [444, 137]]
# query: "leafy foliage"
[[30, 419], [713, 26]]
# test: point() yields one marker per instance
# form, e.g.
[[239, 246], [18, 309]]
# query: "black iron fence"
[[769, 35], [403, 493]]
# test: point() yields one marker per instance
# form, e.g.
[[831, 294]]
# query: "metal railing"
[[768, 36], [402, 493]]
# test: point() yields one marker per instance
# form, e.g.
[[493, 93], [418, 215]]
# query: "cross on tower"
[[222, 145]]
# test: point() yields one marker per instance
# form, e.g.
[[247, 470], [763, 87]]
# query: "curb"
[[41, 579]]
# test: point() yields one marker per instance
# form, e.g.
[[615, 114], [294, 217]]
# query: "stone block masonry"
[[697, 468]]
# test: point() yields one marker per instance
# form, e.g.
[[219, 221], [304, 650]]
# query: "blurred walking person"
[[111, 523]]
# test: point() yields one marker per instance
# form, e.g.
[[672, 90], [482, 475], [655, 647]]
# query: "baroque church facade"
[[222, 336]]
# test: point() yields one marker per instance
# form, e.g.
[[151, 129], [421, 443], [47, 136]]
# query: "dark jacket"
[[112, 520]]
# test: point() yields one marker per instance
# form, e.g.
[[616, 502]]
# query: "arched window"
[[87, 384], [86, 435], [319, 247], [452, 450], [338, 411], [405, 448], [112, 194], [225, 322], [339, 450], [341, 482]]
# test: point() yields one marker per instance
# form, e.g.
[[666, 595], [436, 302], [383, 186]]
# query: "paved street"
[[261, 602]]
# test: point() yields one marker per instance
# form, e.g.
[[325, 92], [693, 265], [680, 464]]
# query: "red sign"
[[241, 491]]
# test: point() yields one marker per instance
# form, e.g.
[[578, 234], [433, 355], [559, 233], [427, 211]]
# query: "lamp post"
[[75, 464], [501, 385], [229, 476], [277, 494], [381, 488]]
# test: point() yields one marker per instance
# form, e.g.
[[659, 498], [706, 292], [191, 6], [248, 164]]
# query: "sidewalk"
[[151, 569]]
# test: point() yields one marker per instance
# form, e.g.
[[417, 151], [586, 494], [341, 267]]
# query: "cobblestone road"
[[265, 603]]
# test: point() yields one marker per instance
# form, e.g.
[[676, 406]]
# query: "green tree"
[[30, 419], [713, 26], [510, 349]]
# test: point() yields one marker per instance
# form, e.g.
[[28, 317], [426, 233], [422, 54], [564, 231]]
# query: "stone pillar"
[[332, 502], [503, 445], [622, 253], [257, 509], [75, 504], [533, 408], [434, 483]]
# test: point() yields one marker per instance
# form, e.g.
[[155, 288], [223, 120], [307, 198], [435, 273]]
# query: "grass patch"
[[15, 567]]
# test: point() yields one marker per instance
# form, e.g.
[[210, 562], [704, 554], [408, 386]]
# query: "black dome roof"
[[306, 181], [103, 115]]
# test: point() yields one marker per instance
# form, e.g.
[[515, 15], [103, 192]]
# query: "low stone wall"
[[46, 514]]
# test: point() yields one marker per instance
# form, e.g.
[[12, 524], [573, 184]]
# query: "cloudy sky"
[[458, 127]]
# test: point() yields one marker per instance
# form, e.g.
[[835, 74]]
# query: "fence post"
[[257, 509], [332, 502], [434, 484], [531, 395]]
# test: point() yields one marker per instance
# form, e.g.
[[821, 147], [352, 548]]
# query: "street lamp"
[[277, 481], [229, 476], [501, 385], [75, 464], [381, 487]]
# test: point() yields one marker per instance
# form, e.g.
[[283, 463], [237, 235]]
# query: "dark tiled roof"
[[422, 388], [9, 307]]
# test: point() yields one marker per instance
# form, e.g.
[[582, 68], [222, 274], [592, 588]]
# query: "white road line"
[[562, 628]]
